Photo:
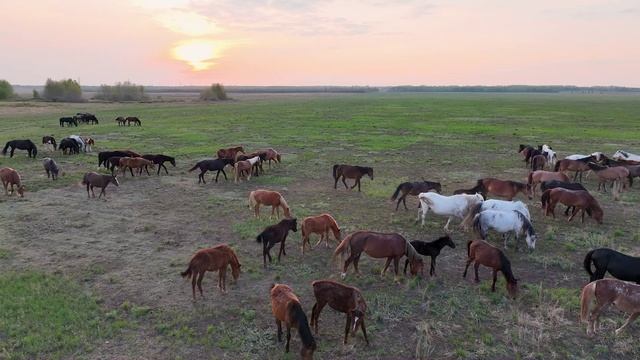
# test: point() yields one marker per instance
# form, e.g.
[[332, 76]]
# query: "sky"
[[322, 42]]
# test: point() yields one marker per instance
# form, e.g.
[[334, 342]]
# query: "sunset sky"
[[323, 42]]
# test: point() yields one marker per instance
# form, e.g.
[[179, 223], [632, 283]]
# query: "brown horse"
[[230, 153], [271, 155], [135, 163], [378, 245], [481, 252], [268, 198], [579, 166], [614, 174], [244, 169], [539, 176], [217, 258], [320, 224], [11, 177], [93, 179], [538, 162], [503, 188], [342, 298], [581, 201], [286, 308], [350, 172], [414, 188], [624, 295]]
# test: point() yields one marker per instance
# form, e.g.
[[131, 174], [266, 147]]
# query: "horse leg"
[[88, 196], [355, 263], [335, 184], [131, 170], [217, 174], [355, 183], [317, 308], [93, 193], [475, 268], [358, 184], [279, 324], [256, 210], [201, 177], [281, 250], [629, 321], [223, 279], [147, 170], [194, 278], [364, 331], [432, 271], [495, 277], [469, 261], [573, 213], [225, 174], [286, 348], [200, 277], [346, 328], [396, 260], [446, 226], [406, 263], [344, 182], [346, 265], [386, 265]]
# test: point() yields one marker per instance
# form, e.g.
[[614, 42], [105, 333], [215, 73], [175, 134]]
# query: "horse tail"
[[4, 150], [335, 171], [194, 167], [187, 273], [252, 200], [587, 263], [557, 167], [259, 238], [585, 300], [473, 211], [469, 248], [395, 194], [546, 195]]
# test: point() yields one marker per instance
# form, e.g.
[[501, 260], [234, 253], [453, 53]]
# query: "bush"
[[213, 93], [6, 90], [125, 91], [63, 90]]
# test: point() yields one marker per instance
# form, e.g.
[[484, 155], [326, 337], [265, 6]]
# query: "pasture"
[[104, 276]]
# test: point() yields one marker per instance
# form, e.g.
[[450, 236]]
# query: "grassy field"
[[94, 279]]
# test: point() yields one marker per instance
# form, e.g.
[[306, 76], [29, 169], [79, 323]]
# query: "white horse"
[[505, 222], [552, 158], [494, 204], [80, 142], [451, 206], [598, 155], [624, 155]]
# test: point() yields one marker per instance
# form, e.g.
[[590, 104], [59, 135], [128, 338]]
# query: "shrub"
[[6, 90], [214, 92], [63, 90], [125, 91]]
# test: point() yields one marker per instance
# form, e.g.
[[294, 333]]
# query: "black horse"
[[21, 145], [211, 165], [619, 265], [414, 188], [68, 120], [103, 156], [159, 160], [86, 118], [50, 140], [70, 145], [431, 249], [112, 162], [274, 234]]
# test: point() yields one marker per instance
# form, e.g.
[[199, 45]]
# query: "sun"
[[199, 54]]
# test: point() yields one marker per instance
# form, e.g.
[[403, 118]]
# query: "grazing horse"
[[538, 162], [211, 165], [378, 245], [414, 188], [81, 144], [528, 152], [580, 200], [546, 185], [69, 121], [286, 308], [134, 120], [113, 162], [494, 204], [271, 155], [245, 166], [70, 146], [351, 172], [93, 179], [103, 156], [619, 265], [625, 155], [505, 222], [49, 141], [481, 252], [536, 177], [504, 188], [50, 167], [431, 249], [121, 121], [320, 224], [89, 142], [9, 176], [451, 206], [268, 198], [28, 145], [625, 296], [230, 153], [217, 258], [342, 298], [135, 163], [274, 234], [579, 166], [614, 174], [159, 160]]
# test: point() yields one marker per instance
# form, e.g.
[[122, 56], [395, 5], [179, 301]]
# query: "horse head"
[[370, 172], [512, 288], [448, 241], [416, 265], [235, 270], [293, 223], [21, 190]]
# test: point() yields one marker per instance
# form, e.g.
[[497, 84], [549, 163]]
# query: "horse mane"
[[471, 213], [595, 167], [300, 319], [283, 203], [506, 268], [526, 223]]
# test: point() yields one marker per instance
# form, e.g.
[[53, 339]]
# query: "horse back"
[[379, 245]]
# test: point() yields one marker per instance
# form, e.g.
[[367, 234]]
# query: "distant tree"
[[63, 90], [36, 94], [125, 91], [214, 92], [6, 90]]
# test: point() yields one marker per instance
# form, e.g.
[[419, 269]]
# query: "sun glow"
[[199, 54]]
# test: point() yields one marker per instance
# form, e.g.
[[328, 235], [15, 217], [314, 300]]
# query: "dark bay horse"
[[619, 265], [211, 165], [69, 146], [93, 179], [113, 162], [134, 120], [274, 234], [431, 249], [350, 172], [378, 245], [21, 145], [217, 258], [121, 121], [286, 308], [623, 295], [481, 252], [342, 298], [69, 121], [579, 166], [50, 140], [159, 160], [414, 188]]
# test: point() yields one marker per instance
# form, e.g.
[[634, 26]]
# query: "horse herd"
[[471, 206]]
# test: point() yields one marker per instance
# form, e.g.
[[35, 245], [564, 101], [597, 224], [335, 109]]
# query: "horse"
[[229, 153], [286, 308], [451, 206], [538, 162], [134, 120], [528, 152], [614, 174], [93, 179], [551, 155], [595, 157], [245, 165], [414, 188], [634, 171], [320, 224], [581, 201], [431, 249], [378, 245], [103, 156], [89, 142], [625, 296], [86, 118], [69, 121], [619, 265], [625, 155], [121, 121], [505, 222], [217, 258], [50, 167], [211, 165], [274, 234], [113, 162], [70, 146], [546, 185], [350, 172], [50, 141], [579, 166], [494, 204], [481, 252], [342, 298], [159, 160], [257, 164], [135, 163], [538, 176], [80, 142], [268, 198], [9, 176], [28, 145], [504, 188], [271, 155]]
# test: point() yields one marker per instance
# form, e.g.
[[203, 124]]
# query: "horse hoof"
[[343, 275]]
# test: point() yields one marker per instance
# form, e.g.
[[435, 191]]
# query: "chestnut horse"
[[271, 155], [625, 296], [320, 224], [217, 258], [538, 176], [414, 188], [579, 199], [342, 298], [481, 252], [268, 198], [230, 153], [11, 177], [614, 174], [93, 179], [135, 163], [378, 245], [579, 166], [503, 188], [286, 308], [350, 172]]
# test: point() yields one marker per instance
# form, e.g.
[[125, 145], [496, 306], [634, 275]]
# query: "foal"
[[274, 234], [483, 253], [9, 176], [431, 249], [217, 258], [93, 179], [625, 296], [268, 198], [351, 172], [51, 168], [286, 308], [320, 224]]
